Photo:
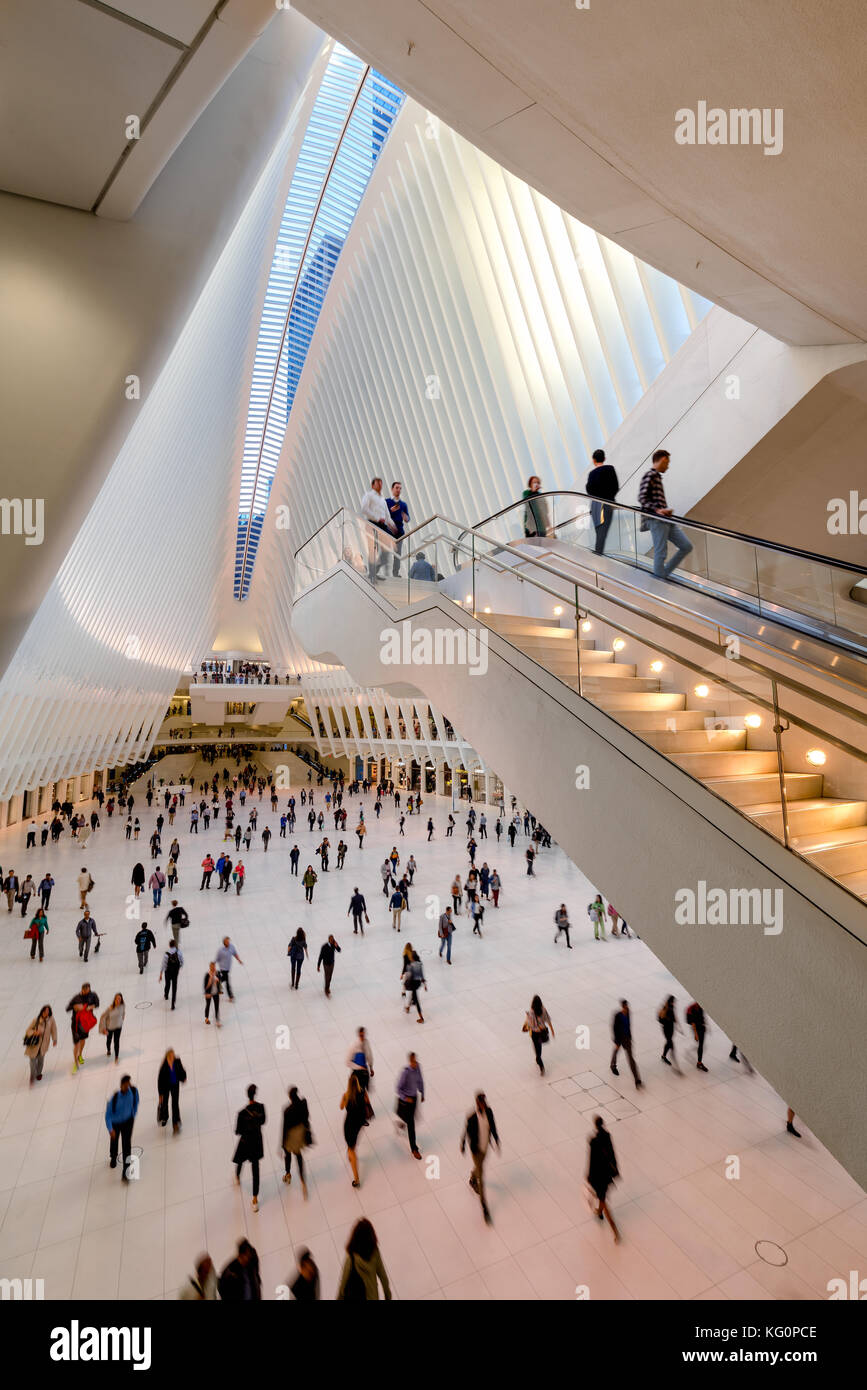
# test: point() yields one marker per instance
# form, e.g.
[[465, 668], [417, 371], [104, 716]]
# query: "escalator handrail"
[[687, 521]]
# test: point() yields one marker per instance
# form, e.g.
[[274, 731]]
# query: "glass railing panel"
[[795, 584], [319, 556]]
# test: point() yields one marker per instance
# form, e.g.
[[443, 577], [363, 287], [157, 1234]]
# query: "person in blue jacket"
[[120, 1116]]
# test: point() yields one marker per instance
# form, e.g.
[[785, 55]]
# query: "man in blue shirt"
[[399, 513], [410, 1090], [120, 1116]]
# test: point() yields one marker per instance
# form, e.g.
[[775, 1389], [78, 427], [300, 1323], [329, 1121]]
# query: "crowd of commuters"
[[225, 802]]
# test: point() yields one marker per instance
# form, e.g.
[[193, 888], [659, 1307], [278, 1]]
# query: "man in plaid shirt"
[[651, 500]]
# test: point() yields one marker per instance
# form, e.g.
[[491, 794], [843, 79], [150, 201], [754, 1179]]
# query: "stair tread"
[[810, 803], [830, 839]]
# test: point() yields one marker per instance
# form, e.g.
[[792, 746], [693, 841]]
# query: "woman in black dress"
[[248, 1127], [352, 1102], [602, 1171]]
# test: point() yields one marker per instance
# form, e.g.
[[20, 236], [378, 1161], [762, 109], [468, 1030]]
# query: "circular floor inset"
[[771, 1253], [145, 1004]]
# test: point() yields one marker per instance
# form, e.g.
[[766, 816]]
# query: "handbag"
[[544, 1035], [31, 933], [32, 1039], [86, 1019]]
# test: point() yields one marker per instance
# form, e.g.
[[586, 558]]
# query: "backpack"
[[354, 1290]]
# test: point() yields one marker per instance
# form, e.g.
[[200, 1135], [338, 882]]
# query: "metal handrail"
[[699, 525], [766, 672]]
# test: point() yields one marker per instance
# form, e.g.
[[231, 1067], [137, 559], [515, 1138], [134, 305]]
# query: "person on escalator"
[[536, 510], [375, 510], [656, 519], [602, 486]]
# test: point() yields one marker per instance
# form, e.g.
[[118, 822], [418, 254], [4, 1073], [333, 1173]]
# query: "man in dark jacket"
[[621, 1029], [358, 908], [479, 1130], [326, 959], [602, 484], [144, 940], [240, 1281], [87, 999]]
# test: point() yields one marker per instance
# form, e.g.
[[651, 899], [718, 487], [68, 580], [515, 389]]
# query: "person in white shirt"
[[374, 509]]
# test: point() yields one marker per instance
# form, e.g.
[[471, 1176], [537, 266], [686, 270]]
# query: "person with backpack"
[[668, 1022], [81, 1006], [120, 1113], [445, 932], [538, 1024], [171, 968], [596, 913], [363, 1270], [176, 920], [248, 1127], [696, 1020]]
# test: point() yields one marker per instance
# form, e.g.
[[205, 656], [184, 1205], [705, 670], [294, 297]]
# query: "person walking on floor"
[[445, 933], [157, 883], [309, 880], [170, 1078], [561, 922], [40, 1035], [44, 890], [248, 1127], [621, 1029], [602, 1171], [413, 979], [120, 1113], [176, 920], [225, 955], [479, 1130], [354, 1102], [397, 903], [363, 1270], [296, 1136], [294, 856], [326, 962], [530, 855], [296, 953], [305, 1288], [201, 1287], [538, 1024], [84, 931], [37, 930], [240, 1281], [81, 1006], [85, 883], [358, 910], [361, 1061], [656, 518], [137, 879], [207, 870], [696, 1019], [111, 1024], [212, 989], [596, 913], [410, 1092], [668, 1023], [170, 969], [457, 893]]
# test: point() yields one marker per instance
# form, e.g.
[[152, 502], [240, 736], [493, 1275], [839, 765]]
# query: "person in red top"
[[207, 870]]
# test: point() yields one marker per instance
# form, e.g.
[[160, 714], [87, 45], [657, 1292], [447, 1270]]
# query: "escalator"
[[695, 748]]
